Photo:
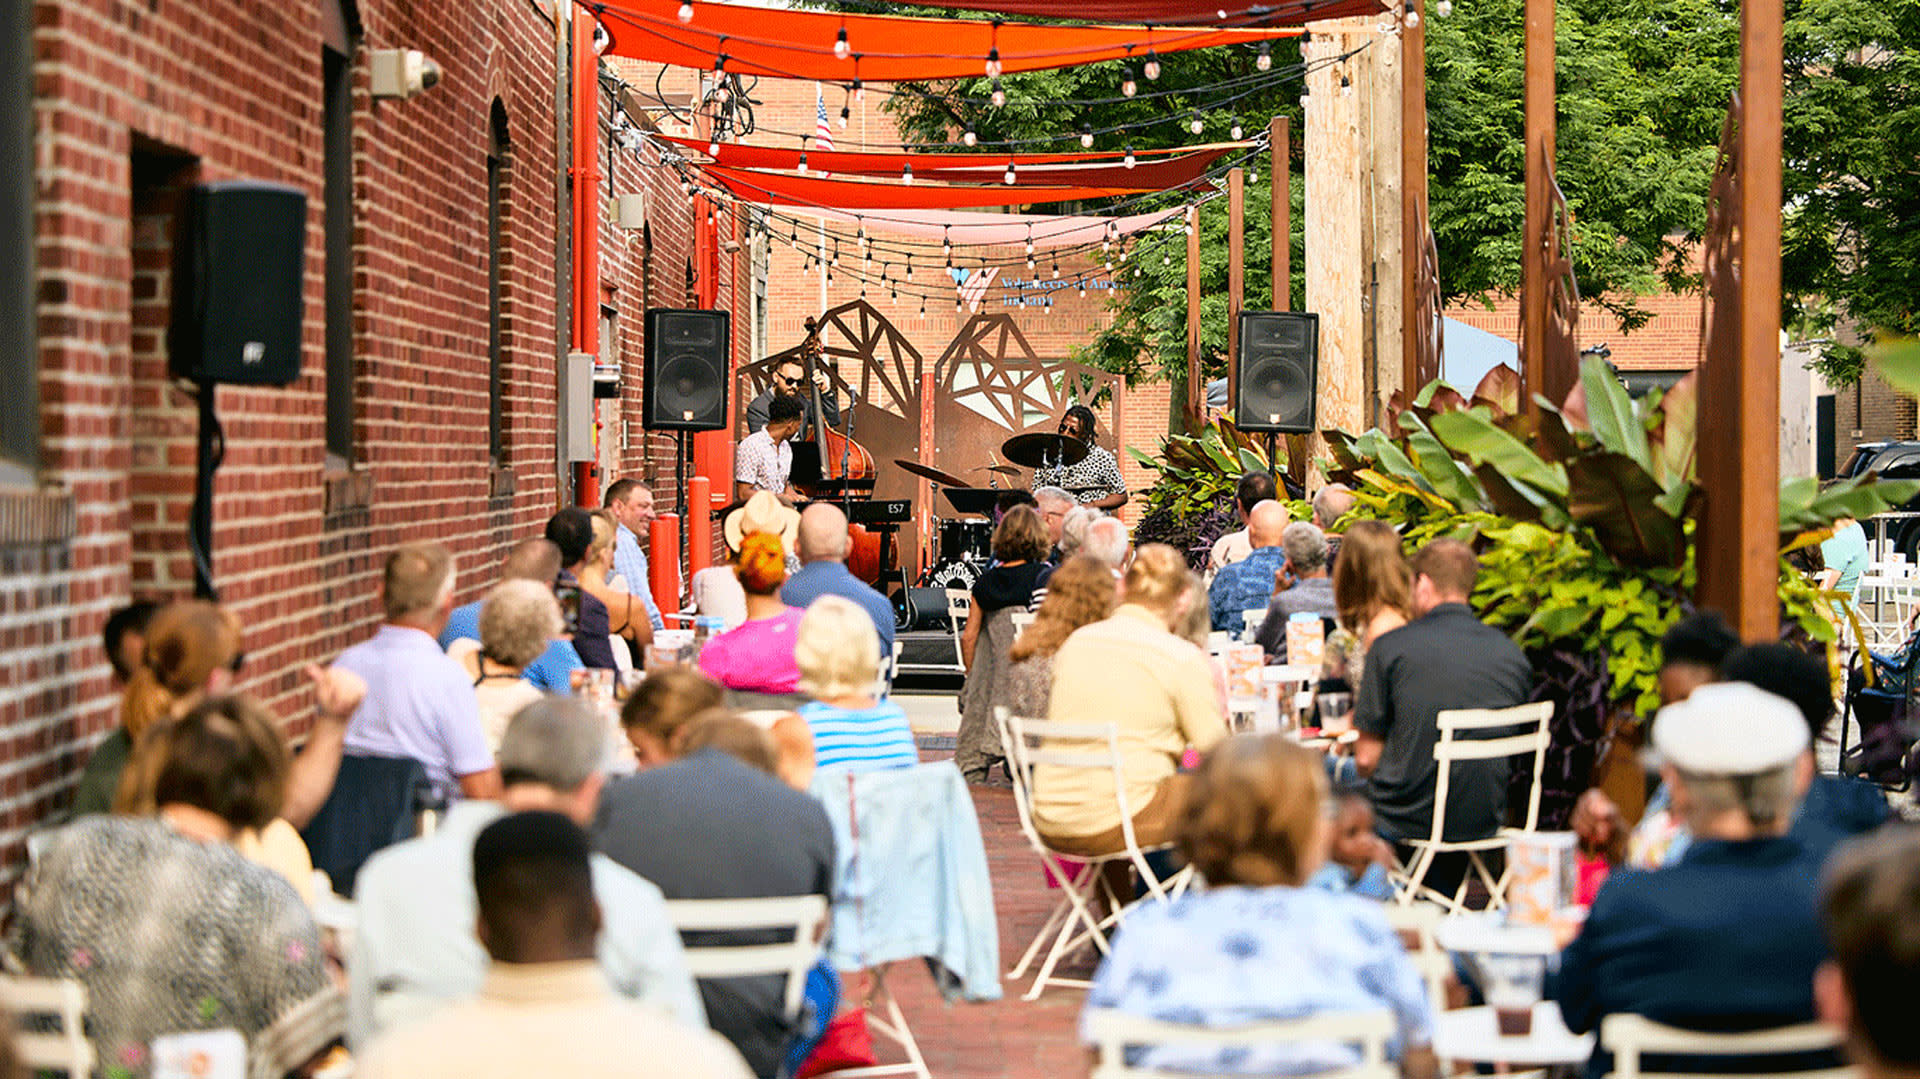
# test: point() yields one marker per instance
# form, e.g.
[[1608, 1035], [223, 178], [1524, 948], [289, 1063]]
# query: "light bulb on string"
[[1029, 239], [1086, 137], [1056, 267], [1253, 176], [1012, 175], [946, 242], [923, 307], [1166, 259], [1195, 125], [906, 173], [1346, 86], [1444, 8], [1128, 87], [713, 147], [803, 162], [840, 45], [993, 62], [1413, 17], [1264, 61], [1151, 69], [999, 96], [1128, 160], [909, 267], [1235, 132], [845, 115], [686, 12], [1030, 265], [859, 90], [970, 137]]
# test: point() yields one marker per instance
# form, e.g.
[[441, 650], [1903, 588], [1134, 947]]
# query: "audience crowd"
[[514, 845]]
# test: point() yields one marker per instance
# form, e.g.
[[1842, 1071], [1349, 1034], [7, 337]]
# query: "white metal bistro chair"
[[1419, 921], [1250, 620], [1022, 619], [1631, 1037], [802, 916], [37, 1004], [1071, 923], [1452, 747], [1113, 1033], [959, 607]]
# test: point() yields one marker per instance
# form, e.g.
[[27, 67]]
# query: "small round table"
[[1473, 1035]]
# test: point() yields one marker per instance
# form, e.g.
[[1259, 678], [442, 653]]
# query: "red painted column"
[[699, 525], [712, 450], [586, 224], [663, 562]]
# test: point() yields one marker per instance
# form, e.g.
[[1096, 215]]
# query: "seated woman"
[[1372, 587], [166, 925], [1130, 670], [627, 621], [1019, 556], [757, 655], [1256, 945], [1080, 593], [516, 622], [838, 654]]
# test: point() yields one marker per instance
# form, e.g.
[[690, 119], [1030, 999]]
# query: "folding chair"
[[959, 606], [1113, 1033], [803, 916], [1416, 924], [1629, 1037], [1022, 619], [1452, 747], [1071, 922], [1250, 620], [37, 1004]]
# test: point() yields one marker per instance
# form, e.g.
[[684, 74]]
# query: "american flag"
[[822, 130]]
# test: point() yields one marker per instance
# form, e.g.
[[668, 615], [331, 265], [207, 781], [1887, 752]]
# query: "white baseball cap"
[[1730, 729]]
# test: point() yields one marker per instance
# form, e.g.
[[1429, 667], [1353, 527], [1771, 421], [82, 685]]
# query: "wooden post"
[[1738, 536], [1335, 256], [1538, 147], [1196, 382], [1236, 273], [1280, 171], [1413, 196]]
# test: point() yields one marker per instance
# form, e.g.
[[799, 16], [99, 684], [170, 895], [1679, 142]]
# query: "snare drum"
[[966, 539]]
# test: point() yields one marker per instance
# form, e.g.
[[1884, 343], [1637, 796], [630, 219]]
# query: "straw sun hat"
[[762, 513]]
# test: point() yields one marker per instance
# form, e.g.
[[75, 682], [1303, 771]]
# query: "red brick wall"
[[133, 102]]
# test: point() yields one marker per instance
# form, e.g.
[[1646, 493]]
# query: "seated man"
[[419, 703], [1872, 916], [414, 949], [544, 1007], [529, 560], [1727, 938], [705, 825], [824, 545], [1252, 489], [1311, 591], [1444, 659], [1248, 584]]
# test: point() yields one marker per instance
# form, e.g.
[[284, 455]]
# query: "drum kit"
[[964, 543]]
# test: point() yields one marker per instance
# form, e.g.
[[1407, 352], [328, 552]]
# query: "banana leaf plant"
[[1190, 503]]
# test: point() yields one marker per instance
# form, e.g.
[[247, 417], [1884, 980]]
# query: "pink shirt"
[[756, 656]]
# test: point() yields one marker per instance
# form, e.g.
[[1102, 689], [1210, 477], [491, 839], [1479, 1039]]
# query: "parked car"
[[1892, 461]]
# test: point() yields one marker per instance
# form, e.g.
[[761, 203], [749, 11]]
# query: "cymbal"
[[929, 472], [1043, 449], [1004, 470]]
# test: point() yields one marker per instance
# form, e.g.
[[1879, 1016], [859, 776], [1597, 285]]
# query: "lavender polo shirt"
[[419, 704]]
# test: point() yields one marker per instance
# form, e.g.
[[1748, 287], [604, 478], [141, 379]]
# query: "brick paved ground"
[[1011, 1038]]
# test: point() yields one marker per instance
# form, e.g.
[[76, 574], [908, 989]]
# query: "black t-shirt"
[[1447, 659], [1007, 586], [590, 640]]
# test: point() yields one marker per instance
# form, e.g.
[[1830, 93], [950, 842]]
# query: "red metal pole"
[[699, 525], [586, 224], [712, 450], [663, 560]]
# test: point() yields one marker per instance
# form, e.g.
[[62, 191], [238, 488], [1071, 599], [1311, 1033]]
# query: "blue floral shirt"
[[1243, 586], [1232, 956]]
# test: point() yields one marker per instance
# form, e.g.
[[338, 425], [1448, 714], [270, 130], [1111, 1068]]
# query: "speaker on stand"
[[684, 381], [1278, 368], [239, 293]]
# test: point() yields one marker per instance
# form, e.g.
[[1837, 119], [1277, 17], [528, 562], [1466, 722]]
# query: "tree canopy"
[[1642, 88]]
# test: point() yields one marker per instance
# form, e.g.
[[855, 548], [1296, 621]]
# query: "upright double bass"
[[846, 468]]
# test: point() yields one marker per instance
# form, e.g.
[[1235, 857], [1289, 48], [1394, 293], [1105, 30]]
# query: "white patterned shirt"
[[1096, 476], [761, 461]]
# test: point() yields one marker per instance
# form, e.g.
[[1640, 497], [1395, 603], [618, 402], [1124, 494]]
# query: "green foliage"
[[1850, 249], [1195, 471]]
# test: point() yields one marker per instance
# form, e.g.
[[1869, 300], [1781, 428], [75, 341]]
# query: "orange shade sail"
[[795, 44], [787, 189], [1177, 12], [1154, 170]]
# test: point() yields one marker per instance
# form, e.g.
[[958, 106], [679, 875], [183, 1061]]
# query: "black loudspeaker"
[[916, 609], [1279, 355], [685, 388], [239, 294]]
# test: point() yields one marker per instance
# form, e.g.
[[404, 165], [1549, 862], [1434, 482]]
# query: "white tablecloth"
[[1473, 1035]]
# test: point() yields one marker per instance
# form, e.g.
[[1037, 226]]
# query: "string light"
[[946, 242], [1128, 87], [1444, 8], [1346, 86], [1413, 17], [906, 173], [1235, 131], [840, 45], [1265, 60], [999, 97], [713, 147], [1086, 136], [859, 90], [1194, 125], [993, 62], [909, 267], [845, 115], [1128, 160], [1056, 267], [686, 12], [1012, 174], [1029, 239], [1152, 67], [1030, 264], [970, 137]]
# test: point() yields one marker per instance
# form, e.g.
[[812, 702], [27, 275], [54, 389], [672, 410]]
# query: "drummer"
[[1095, 480]]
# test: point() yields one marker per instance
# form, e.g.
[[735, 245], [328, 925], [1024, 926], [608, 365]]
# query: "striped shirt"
[[863, 740]]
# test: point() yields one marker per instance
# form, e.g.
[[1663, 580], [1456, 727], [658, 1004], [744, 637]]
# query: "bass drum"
[[956, 574]]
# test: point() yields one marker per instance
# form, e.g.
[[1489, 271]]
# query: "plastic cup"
[[1336, 713], [1512, 985]]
